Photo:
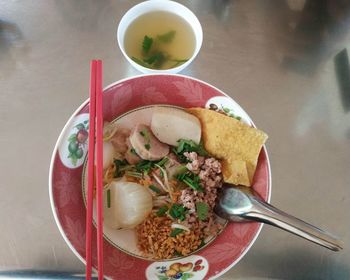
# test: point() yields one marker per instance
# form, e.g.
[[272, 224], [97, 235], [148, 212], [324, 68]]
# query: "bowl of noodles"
[[161, 177]]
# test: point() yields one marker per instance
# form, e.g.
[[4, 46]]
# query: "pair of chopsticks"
[[95, 125]]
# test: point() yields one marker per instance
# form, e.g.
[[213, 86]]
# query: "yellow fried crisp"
[[237, 144]]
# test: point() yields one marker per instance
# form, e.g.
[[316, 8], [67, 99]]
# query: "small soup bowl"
[[166, 6]]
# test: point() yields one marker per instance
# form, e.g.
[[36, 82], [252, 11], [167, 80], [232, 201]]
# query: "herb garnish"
[[162, 210], [178, 211], [147, 43], [202, 210], [152, 56], [121, 167], [133, 151], [190, 179], [154, 188], [156, 59], [188, 146], [167, 37], [133, 174], [147, 146], [176, 231], [144, 166], [145, 134]]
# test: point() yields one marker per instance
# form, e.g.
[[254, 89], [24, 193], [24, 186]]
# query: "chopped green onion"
[[154, 188], [178, 211], [162, 210], [190, 179], [176, 231], [133, 174], [163, 161]]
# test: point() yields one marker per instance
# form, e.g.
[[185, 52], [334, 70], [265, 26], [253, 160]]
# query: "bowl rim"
[[55, 149], [194, 22]]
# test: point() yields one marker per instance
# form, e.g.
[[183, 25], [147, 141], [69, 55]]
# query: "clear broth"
[[153, 24]]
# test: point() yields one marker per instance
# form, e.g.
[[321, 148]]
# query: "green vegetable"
[[190, 179], [202, 243], [177, 254], [178, 211], [176, 231], [162, 210], [154, 188], [188, 146], [163, 161], [139, 61], [147, 146], [180, 170], [109, 198], [133, 174], [133, 151], [147, 43], [156, 59], [121, 167], [167, 37], [144, 166], [202, 210]]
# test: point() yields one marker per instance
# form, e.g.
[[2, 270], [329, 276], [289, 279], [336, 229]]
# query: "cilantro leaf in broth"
[[156, 59], [139, 61], [167, 37], [147, 43]]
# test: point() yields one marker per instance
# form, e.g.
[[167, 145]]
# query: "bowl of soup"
[[159, 36]]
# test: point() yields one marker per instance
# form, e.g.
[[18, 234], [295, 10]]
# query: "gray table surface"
[[283, 61]]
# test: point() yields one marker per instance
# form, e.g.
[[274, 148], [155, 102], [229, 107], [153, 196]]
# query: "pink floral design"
[[116, 99], [190, 90], [75, 233], [151, 95], [121, 261], [222, 252], [65, 188]]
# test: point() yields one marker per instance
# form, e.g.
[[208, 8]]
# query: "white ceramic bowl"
[[160, 5]]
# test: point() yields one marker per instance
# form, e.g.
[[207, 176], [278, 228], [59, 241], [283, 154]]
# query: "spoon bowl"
[[242, 204]]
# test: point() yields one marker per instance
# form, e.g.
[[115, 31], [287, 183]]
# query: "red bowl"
[[66, 178]]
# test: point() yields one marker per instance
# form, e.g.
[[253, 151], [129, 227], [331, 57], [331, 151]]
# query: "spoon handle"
[[266, 213]]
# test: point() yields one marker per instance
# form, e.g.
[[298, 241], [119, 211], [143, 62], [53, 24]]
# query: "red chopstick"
[[91, 155], [96, 123], [99, 168]]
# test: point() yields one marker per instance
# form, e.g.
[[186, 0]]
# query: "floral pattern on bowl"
[[193, 267]]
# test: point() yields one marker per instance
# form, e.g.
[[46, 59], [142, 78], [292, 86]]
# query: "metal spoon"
[[242, 204]]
